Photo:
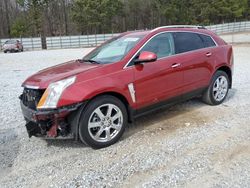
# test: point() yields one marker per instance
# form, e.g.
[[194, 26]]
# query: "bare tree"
[[69, 17], [6, 5]]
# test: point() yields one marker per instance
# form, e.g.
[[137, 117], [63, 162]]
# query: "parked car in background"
[[12, 46], [94, 98]]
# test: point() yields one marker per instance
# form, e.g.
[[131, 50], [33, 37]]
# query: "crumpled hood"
[[43, 78]]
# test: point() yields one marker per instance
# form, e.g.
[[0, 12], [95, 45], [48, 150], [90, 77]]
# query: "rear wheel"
[[103, 122], [218, 89]]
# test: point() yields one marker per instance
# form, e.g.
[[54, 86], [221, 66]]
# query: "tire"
[[217, 90], [5, 51], [100, 127]]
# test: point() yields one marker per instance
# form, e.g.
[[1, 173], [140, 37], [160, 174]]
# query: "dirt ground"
[[187, 145]]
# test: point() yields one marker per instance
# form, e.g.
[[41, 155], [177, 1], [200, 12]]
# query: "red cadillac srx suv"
[[94, 98]]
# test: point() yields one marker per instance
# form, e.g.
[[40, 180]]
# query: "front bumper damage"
[[54, 123]]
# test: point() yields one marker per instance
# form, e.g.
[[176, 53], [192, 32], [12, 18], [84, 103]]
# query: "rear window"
[[207, 40], [185, 42]]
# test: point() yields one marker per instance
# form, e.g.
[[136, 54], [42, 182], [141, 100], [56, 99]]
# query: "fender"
[[86, 90]]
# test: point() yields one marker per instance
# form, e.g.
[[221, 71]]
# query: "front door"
[[160, 80]]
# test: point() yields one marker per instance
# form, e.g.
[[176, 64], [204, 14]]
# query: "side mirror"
[[146, 57]]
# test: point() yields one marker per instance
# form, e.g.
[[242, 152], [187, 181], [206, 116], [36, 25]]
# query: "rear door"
[[195, 60]]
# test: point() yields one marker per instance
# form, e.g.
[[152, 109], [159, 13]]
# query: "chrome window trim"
[[216, 45], [31, 87]]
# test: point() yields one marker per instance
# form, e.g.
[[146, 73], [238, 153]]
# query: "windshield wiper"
[[91, 61]]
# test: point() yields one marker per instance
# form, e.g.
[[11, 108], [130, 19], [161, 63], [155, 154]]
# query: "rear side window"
[[207, 40], [185, 42]]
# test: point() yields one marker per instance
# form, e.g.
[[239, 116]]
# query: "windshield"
[[114, 50], [10, 42]]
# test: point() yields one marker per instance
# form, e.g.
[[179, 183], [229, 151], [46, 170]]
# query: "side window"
[[162, 45], [185, 42], [207, 40]]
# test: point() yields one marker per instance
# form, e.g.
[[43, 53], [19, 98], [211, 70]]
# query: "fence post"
[[79, 38], [32, 44], [95, 40], [44, 42], [51, 43], [61, 41], [88, 40], [70, 41]]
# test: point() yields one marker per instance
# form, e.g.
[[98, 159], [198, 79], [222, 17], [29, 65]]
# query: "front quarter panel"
[[106, 80]]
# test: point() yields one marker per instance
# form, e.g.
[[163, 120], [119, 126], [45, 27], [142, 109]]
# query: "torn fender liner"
[[33, 129]]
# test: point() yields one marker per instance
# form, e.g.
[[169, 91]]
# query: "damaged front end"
[[49, 123]]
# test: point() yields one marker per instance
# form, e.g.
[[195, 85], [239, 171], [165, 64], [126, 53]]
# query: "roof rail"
[[180, 26]]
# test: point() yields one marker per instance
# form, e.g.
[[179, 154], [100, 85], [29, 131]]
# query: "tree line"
[[24, 18]]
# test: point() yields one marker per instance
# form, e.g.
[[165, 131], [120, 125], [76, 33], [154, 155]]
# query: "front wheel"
[[103, 122], [218, 89]]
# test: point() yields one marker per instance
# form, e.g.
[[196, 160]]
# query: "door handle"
[[175, 65], [208, 54]]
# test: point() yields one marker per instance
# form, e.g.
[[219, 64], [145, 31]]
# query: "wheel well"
[[229, 73], [123, 100]]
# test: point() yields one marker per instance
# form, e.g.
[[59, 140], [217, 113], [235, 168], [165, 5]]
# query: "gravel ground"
[[187, 145]]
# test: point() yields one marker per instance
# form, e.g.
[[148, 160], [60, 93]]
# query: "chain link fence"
[[83, 41], [77, 41], [228, 28]]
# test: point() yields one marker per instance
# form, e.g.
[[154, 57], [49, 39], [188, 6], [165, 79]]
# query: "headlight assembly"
[[53, 93]]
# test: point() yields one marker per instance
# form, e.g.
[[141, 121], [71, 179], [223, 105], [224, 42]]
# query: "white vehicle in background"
[[12, 46]]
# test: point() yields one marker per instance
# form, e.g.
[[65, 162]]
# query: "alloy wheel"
[[105, 122], [220, 88]]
